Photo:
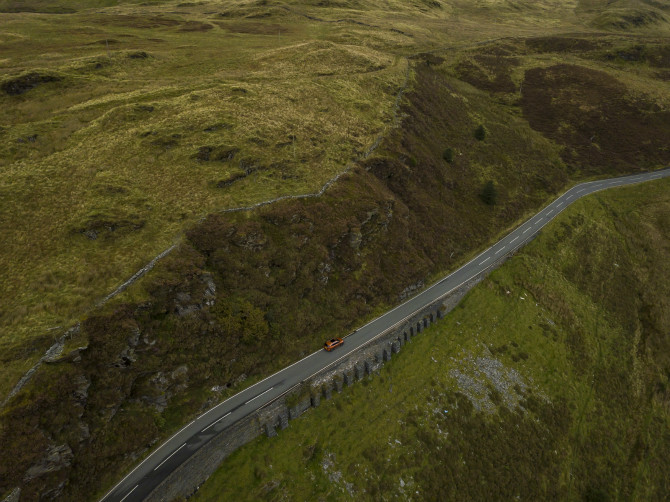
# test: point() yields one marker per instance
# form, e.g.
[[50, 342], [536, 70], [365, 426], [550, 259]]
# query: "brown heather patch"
[[564, 44], [491, 73], [604, 129]]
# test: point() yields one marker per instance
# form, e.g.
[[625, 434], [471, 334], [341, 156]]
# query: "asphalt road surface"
[[151, 472]]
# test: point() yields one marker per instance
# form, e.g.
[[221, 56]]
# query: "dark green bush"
[[480, 132], [448, 155], [489, 193]]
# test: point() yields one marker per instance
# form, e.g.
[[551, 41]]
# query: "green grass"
[[592, 392]]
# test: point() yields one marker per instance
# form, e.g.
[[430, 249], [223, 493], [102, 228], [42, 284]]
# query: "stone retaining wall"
[[187, 478]]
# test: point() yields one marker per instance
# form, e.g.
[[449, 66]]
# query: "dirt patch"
[[24, 83], [603, 128]]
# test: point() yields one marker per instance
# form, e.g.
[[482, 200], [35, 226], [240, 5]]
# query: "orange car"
[[332, 344]]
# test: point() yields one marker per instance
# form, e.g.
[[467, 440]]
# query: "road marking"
[[580, 191], [168, 458], [482, 262], [527, 230], [548, 213], [500, 250], [559, 205], [128, 494], [538, 221], [259, 395], [213, 424], [514, 239], [570, 197]]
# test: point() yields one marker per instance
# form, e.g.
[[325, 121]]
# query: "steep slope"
[[550, 381]]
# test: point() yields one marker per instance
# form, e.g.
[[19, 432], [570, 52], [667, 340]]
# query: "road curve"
[[140, 482]]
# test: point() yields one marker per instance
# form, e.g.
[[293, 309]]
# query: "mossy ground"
[[590, 425]]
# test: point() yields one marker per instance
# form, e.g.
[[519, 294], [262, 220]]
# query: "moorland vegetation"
[[130, 127]]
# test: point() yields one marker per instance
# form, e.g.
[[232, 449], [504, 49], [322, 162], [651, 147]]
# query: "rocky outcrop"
[[55, 459], [185, 305]]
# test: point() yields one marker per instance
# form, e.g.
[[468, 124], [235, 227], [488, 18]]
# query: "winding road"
[[150, 473]]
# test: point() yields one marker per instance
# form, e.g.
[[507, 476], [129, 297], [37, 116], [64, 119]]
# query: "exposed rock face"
[[164, 386], [411, 289], [184, 303], [56, 458], [81, 391], [13, 495]]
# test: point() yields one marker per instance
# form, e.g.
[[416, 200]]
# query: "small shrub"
[[448, 155], [489, 193], [480, 132]]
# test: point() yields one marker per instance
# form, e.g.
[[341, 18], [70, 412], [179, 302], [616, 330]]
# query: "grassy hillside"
[[124, 124], [131, 127], [549, 381]]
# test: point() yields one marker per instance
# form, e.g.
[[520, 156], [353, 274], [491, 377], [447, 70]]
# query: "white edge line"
[[318, 351], [259, 395], [171, 454], [128, 494], [214, 423]]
